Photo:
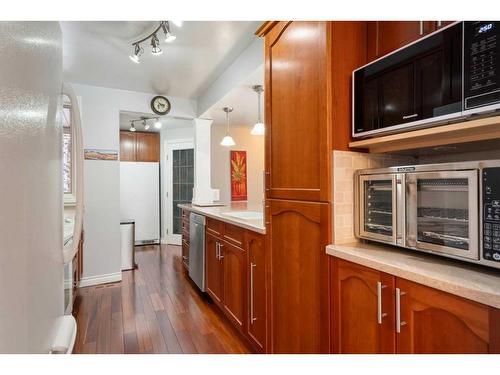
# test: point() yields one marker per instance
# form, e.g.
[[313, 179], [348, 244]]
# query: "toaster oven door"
[[377, 214], [442, 212]]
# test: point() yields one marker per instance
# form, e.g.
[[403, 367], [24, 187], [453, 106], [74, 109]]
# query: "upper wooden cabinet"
[[386, 36], [299, 290], [127, 146], [137, 146], [298, 120]]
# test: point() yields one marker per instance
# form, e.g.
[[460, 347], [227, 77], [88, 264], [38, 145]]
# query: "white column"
[[203, 194]]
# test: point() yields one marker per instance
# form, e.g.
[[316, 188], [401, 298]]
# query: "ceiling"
[[167, 122], [243, 99], [96, 53]]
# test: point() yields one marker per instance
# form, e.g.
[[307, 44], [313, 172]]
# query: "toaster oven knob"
[[496, 256]]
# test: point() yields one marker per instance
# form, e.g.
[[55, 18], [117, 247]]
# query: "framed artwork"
[[238, 160], [98, 154]]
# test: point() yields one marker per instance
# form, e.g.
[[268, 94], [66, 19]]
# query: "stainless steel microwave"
[[451, 209], [451, 74]]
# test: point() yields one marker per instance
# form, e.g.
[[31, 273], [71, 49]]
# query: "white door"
[[179, 185]]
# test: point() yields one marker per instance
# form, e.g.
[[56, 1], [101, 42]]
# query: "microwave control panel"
[[482, 63], [491, 214]]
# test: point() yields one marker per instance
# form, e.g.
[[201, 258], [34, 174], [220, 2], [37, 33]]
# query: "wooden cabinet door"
[[127, 146], [362, 310], [438, 322], [234, 283], [299, 269], [298, 93], [148, 147], [384, 37], [213, 268], [256, 326]]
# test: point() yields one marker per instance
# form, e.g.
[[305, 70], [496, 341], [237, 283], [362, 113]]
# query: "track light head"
[[169, 37], [138, 50], [155, 42], [157, 124], [132, 127]]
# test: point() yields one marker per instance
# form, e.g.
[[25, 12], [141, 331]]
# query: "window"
[[67, 145]]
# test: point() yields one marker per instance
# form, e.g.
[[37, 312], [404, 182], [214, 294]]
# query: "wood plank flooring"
[[154, 309]]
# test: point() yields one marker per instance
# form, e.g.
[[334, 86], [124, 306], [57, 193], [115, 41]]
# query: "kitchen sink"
[[245, 215]]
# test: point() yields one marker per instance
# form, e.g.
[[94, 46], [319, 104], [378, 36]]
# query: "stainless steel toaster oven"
[[449, 209]]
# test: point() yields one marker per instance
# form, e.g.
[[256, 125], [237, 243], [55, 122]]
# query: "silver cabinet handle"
[[410, 116], [380, 314], [220, 252], [399, 323], [421, 27], [252, 318], [217, 250]]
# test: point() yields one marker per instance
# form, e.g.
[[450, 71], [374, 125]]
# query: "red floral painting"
[[238, 175]]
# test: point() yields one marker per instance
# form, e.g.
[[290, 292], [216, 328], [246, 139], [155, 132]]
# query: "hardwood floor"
[[154, 309]]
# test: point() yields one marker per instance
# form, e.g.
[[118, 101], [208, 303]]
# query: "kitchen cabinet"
[[235, 278], [139, 147], [256, 325], [298, 120], [297, 235], [363, 310], [148, 147], [418, 319], [234, 292], [127, 146], [384, 37], [436, 322], [213, 268]]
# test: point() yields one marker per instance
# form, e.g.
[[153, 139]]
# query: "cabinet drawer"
[[234, 235], [214, 226], [185, 214], [185, 226]]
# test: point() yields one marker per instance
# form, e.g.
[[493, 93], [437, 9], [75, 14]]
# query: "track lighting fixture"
[[144, 120], [155, 42], [227, 140], [258, 128]]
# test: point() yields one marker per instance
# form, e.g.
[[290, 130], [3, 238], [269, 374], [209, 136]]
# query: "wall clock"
[[160, 105]]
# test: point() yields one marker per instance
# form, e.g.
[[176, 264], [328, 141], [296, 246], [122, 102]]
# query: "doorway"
[[180, 182]]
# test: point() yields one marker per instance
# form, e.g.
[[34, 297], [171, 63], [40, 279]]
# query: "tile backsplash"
[[345, 163]]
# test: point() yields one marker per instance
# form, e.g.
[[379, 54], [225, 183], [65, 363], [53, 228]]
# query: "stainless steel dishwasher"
[[197, 249]]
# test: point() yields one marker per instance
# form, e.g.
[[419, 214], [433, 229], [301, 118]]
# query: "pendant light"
[[258, 128], [227, 140]]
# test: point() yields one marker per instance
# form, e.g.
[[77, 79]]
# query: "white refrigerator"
[[31, 194], [140, 199]]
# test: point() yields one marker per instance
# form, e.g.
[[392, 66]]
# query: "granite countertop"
[[220, 213], [473, 282]]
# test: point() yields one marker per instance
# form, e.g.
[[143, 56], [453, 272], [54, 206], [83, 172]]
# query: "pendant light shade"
[[227, 140], [259, 128]]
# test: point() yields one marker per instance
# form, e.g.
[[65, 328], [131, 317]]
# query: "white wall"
[[100, 109], [170, 135], [254, 146], [239, 70]]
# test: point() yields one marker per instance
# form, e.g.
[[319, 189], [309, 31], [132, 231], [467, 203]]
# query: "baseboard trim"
[[100, 279]]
